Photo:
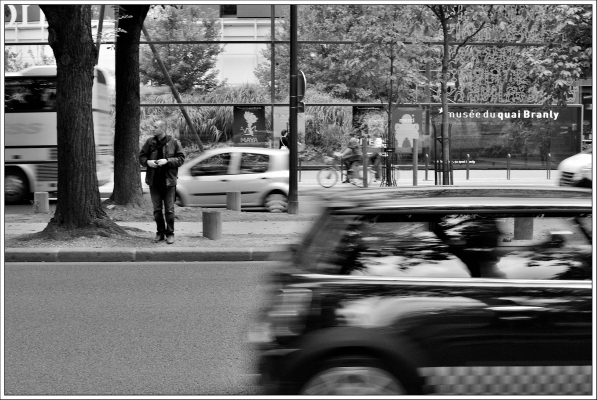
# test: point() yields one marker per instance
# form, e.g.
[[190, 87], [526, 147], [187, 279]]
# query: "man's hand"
[[152, 164], [162, 161]]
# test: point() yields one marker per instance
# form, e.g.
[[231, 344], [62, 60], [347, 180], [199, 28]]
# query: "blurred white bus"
[[30, 146]]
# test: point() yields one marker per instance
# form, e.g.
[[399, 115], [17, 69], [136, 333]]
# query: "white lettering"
[[13, 16], [248, 140], [555, 115], [527, 113], [500, 116], [25, 16], [486, 114]]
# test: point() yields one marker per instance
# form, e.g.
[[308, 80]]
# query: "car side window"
[[545, 247], [214, 165], [251, 163], [457, 246]]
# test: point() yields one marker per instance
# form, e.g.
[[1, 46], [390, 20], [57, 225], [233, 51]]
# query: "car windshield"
[[451, 246]]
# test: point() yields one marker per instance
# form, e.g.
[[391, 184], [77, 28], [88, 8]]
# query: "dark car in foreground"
[[434, 290]]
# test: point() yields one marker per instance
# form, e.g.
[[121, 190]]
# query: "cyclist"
[[350, 154], [375, 158]]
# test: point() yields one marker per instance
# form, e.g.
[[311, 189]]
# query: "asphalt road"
[[129, 328]]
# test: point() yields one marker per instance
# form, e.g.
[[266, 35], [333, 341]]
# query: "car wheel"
[[16, 186], [276, 202], [353, 376]]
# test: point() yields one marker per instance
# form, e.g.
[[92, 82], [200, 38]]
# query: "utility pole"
[[293, 132]]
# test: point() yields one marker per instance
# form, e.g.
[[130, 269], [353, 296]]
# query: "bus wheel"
[[16, 186]]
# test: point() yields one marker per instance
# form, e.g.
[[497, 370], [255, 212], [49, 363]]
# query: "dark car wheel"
[[352, 376], [16, 186], [276, 202]]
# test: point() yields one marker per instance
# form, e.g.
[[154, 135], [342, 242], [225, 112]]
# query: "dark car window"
[[452, 246], [215, 165], [251, 163], [29, 94]]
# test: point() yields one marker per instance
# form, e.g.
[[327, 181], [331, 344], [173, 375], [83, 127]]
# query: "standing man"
[[162, 155]]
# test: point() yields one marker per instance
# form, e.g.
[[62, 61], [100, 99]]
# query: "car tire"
[[16, 186], [352, 375], [276, 202]]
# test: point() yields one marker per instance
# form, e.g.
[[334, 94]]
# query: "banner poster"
[[407, 124], [370, 119], [249, 127], [282, 121]]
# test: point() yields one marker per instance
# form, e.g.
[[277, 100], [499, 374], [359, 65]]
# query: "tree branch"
[[469, 37]]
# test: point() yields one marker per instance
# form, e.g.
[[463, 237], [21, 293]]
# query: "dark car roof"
[[463, 198]]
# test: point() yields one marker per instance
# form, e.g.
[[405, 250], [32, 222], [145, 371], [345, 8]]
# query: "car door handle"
[[514, 313], [224, 180]]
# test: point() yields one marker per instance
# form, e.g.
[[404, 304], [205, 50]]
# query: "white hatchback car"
[[578, 169], [259, 174]]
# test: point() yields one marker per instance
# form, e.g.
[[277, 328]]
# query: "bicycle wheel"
[[327, 177]]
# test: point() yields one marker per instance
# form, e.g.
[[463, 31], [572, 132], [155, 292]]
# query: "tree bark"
[[127, 172], [79, 203]]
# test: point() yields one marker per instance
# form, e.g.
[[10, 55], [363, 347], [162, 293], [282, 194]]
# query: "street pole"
[[293, 133]]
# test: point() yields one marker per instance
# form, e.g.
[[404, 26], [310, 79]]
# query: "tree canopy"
[[191, 66]]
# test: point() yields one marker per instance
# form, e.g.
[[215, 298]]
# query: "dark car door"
[[519, 322]]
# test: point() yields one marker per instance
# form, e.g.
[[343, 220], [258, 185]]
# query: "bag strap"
[[159, 146]]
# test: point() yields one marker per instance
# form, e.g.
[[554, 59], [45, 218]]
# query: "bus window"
[[27, 95]]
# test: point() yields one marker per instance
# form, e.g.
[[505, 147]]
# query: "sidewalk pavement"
[[187, 254], [307, 185]]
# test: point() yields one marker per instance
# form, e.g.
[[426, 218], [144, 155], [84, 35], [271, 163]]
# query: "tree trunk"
[[79, 204], [127, 177]]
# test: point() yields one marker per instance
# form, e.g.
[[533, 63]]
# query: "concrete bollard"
[[41, 202], [233, 201], [212, 225]]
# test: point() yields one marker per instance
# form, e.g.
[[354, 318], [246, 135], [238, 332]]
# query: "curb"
[[140, 255]]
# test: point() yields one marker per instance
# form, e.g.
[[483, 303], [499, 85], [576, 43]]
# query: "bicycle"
[[329, 176]]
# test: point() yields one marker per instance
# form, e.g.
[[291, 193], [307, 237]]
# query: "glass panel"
[[216, 165], [253, 163], [453, 246], [29, 94]]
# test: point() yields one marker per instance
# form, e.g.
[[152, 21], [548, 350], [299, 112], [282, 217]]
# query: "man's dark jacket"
[[172, 152]]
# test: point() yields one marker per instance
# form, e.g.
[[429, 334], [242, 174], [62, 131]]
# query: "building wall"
[[236, 64]]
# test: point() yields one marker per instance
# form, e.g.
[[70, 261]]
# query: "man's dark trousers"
[[166, 195]]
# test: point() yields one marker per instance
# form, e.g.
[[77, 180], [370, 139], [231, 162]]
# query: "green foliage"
[[524, 138], [190, 66], [13, 61], [555, 68], [213, 124]]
